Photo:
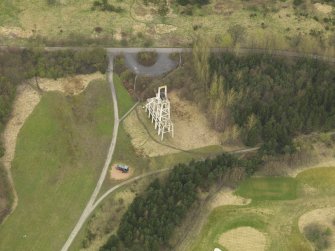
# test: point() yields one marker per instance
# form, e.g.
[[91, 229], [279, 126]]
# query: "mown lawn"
[[60, 152], [277, 204], [269, 188]]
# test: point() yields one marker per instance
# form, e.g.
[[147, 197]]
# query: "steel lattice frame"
[[158, 109]]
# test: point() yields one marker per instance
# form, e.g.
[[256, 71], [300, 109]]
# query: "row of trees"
[[152, 217]]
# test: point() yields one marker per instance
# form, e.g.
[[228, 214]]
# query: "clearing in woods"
[[279, 209], [58, 156], [192, 130]]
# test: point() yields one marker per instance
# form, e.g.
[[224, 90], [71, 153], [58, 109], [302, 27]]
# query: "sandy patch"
[[243, 238], [26, 100], [164, 28], [70, 85], [324, 8], [15, 32], [118, 35], [322, 216], [139, 27], [190, 124], [227, 197], [118, 175]]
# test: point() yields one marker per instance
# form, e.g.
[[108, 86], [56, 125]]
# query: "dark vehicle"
[[122, 168]]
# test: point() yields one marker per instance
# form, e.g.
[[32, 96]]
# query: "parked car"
[[122, 168]]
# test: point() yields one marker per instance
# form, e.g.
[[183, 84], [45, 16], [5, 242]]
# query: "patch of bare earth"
[[164, 28], [70, 85], [191, 130], [227, 197], [26, 100], [322, 216], [243, 238], [15, 32], [118, 175], [323, 8]]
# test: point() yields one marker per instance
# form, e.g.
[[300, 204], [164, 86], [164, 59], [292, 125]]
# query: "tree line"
[[152, 217]]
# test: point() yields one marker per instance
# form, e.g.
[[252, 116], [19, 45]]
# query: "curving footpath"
[[90, 205]]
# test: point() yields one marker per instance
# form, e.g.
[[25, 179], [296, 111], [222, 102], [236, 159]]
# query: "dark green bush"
[[147, 58]]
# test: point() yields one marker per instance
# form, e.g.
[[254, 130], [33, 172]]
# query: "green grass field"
[[125, 101], [60, 152], [270, 188], [276, 214]]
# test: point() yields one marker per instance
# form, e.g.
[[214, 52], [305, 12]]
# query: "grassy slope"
[[277, 215], [62, 21], [125, 101], [8, 13], [60, 151]]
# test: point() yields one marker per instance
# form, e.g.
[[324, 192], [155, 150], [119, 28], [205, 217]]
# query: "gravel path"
[[89, 207]]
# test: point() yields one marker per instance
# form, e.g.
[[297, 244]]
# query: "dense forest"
[[151, 218], [259, 99], [17, 65], [271, 99]]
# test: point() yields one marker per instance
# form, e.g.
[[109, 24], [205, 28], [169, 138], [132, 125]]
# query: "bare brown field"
[[227, 197], [243, 238]]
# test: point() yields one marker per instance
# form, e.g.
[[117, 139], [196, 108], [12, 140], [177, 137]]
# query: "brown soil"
[[70, 85], [192, 130], [15, 32], [324, 8], [243, 238], [322, 216], [164, 28], [118, 175], [227, 197]]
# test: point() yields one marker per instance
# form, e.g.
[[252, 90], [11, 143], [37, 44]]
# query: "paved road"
[[163, 64], [90, 205]]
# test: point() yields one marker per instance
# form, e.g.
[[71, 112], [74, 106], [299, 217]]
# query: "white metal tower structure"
[[158, 109]]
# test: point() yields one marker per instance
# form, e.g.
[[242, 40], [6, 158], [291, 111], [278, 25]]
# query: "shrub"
[[147, 58], [319, 235]]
